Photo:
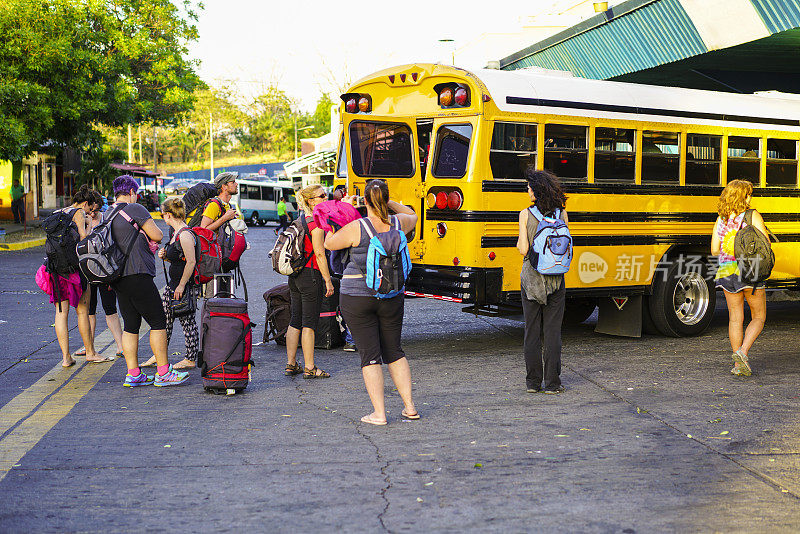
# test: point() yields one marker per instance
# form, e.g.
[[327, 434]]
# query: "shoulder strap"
[[397, 224], [536, 213], [748, 217], [367, 224]]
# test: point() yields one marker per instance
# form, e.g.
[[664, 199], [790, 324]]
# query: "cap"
[[225, 177]]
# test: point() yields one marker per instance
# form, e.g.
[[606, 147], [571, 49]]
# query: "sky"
[[306, 47]]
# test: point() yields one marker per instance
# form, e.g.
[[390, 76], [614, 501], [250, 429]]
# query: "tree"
[[66, 66], [322, 115], [271, 125]]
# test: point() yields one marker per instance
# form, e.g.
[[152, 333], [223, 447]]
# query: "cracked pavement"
[[612, 454]]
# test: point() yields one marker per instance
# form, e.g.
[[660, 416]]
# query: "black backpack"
[[62, 238], [100, 258], [196, 199], [753, 251]]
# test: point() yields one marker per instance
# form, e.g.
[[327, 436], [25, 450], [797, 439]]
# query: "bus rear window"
[[381, 149], [452, 150]]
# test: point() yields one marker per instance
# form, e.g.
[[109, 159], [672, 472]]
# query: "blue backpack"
[[388, 260], [551, 250]]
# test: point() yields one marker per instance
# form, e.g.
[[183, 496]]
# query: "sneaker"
[[534, 389], [555, 391], [135, 381], [171, 378], [349, 347]]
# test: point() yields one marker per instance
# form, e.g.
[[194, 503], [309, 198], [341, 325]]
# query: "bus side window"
[[268, 193], [703, 159], [565, 151], [781, 163], [614, 154], [512, 150], [660, 157], [744, 159]]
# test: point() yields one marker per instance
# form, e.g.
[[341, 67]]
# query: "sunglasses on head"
[[323, 195]]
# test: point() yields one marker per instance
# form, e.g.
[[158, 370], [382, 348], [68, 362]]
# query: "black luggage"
[[329, 329], [278, 314], [226, 345]]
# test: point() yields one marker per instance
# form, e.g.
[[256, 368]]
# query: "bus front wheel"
[[683, 301]]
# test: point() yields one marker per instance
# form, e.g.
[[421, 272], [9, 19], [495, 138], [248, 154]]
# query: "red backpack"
[[209, 254]]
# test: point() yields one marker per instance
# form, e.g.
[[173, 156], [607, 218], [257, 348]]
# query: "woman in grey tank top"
[[375, 323]]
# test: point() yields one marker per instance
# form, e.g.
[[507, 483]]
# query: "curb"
[[23, 244]]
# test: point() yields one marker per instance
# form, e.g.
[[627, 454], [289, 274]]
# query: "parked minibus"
[[258, 200]]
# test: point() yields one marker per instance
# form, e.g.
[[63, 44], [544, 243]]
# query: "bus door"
[[445, 185], [387, 149]]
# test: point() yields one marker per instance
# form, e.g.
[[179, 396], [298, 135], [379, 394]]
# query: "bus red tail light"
[[461, 97], [441, 229], [441, 200], [454, 200], [351, 106]]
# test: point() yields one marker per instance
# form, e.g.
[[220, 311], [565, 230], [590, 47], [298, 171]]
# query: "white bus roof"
[[540, 91]]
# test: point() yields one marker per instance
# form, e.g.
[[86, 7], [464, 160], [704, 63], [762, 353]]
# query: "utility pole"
[[141, 159], [130, 144], [155, 157], [211, 137]]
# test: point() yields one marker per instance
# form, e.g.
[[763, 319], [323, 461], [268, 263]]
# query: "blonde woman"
[[180, 253], [733, 202], [306, 289]]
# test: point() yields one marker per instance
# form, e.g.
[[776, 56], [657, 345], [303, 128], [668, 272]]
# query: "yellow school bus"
[[642, 167]]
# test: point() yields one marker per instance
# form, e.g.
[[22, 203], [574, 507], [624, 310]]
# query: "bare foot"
[[68, 362], [411, 414], [149, 363], [373, 419], [184, 364]]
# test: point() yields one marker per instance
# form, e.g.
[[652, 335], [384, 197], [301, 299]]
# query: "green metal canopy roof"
[[658, 42]]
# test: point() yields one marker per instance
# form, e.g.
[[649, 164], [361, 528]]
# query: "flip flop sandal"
[[410, 416], [68, 365], [103, 360], [80, 352], [120, 354], [366, 419]]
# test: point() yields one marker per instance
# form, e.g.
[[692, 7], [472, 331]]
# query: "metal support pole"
[[141, 159], [130, 144], [211, 138]]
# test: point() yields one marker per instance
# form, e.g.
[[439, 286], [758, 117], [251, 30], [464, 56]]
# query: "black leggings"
[[107, 297], [138, 297], [306, 290], [376, 326]]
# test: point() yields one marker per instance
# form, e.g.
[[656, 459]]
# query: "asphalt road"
[[652, 435]]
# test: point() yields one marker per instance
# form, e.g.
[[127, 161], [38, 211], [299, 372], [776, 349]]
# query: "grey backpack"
[[100, 258], [753, 251]]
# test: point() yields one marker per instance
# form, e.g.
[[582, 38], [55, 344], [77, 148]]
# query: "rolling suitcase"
[[226, 344]]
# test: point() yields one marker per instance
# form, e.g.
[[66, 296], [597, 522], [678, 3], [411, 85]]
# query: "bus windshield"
[[381, 149]]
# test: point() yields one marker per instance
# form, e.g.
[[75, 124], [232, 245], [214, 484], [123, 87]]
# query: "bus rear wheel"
[[682, 303], [253, 220]]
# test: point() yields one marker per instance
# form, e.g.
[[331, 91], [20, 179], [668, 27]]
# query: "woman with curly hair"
[[731, 207], [543, 295]]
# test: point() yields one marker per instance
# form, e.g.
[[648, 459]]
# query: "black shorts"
[[306, 290], [376, 326], [139, 298], [107, 297]]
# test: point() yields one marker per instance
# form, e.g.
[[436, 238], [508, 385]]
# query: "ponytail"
[[175, 207], [376, 195], [305, 195]]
